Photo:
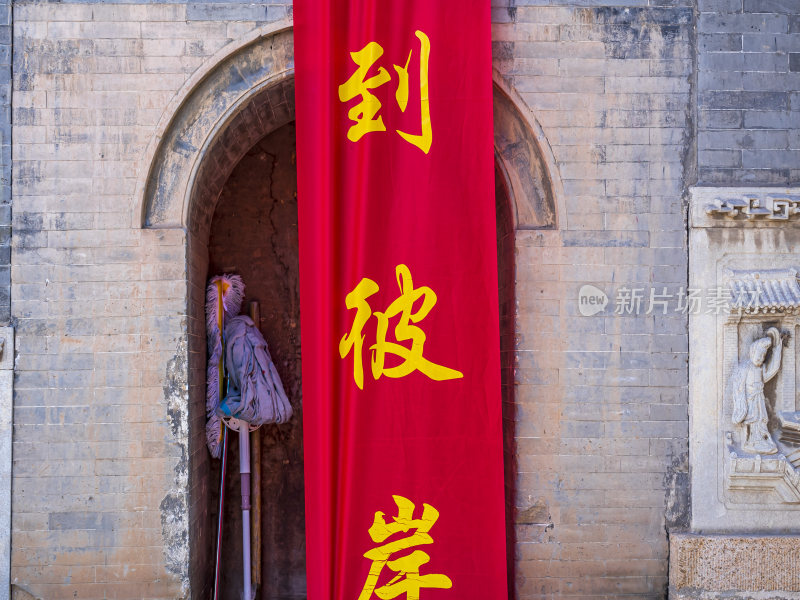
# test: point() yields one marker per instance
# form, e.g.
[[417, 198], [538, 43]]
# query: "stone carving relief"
[[760, 406], [744, 359], [746, 392]]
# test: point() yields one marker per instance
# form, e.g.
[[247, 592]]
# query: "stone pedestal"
[[6, 401], [734, 567]]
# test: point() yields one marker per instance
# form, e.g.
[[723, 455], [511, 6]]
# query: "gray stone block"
[[582, 429], [770, 159], [614, 239], [749, 138], [614, 15], [779, 82], [737, 62], [275, 13], [756, 119], [720, 6], [720, 119], [718, 176], [760, 42], [744, 100], [228, 11], [711, 80], [742, 23], [675, 3], [720, 158], [668, 412], [720, 42], [788, 7]]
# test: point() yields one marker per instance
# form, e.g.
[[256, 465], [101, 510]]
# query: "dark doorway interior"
[[254, 234], [506, 277]]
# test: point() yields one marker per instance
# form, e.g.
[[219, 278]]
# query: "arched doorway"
[[254, 233], [228, 117]]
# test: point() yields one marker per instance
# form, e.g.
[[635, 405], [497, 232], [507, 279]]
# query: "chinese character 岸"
[[408, 579]]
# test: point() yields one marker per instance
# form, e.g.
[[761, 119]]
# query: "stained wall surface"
[[102, 473]]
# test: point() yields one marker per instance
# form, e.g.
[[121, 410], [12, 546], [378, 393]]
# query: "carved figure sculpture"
[[746, 391]]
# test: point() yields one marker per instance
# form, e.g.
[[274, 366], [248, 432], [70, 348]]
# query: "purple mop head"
[[232, 289]]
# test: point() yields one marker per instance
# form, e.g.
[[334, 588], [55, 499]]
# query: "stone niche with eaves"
[[744, 403], [744, 361]]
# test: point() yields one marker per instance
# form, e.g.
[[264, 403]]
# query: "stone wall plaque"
[[744, 360]]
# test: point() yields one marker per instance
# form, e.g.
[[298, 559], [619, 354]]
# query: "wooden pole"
[[255, 454], [220, 396]]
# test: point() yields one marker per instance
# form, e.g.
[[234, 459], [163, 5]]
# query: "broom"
[[224, 296]]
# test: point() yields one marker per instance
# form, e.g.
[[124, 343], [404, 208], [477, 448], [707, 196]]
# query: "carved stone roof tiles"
[[766, 291]]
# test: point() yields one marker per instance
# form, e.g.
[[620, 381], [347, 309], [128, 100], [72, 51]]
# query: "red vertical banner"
[[398, 292]]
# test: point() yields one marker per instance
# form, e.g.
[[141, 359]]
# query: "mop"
[[255, 397], [224, 297]]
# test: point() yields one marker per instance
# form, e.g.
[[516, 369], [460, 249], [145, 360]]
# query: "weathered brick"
[[771, 119], [720, 42], [720, 6], [216, 11], [745, 100], [742, 23], [750, 139], [770, 6]]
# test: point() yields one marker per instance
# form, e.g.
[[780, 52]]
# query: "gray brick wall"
[[100, 397], [600, 403], [5, 160], [748, 74]]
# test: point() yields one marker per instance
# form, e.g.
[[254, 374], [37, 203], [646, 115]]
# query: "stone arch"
[[526, 162], [249, 81], [253, 77], [243, 93]]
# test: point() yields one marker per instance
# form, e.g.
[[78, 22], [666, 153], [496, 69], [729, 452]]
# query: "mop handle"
[[244, 470], [244, 463], [217, 570]]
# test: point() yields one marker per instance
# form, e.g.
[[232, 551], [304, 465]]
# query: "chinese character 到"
[[365, 114], [408, 579]]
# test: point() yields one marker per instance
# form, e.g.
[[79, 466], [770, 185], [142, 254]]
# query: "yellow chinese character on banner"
[[408, 579], [359, 85], [404, 331], [364, 112]]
